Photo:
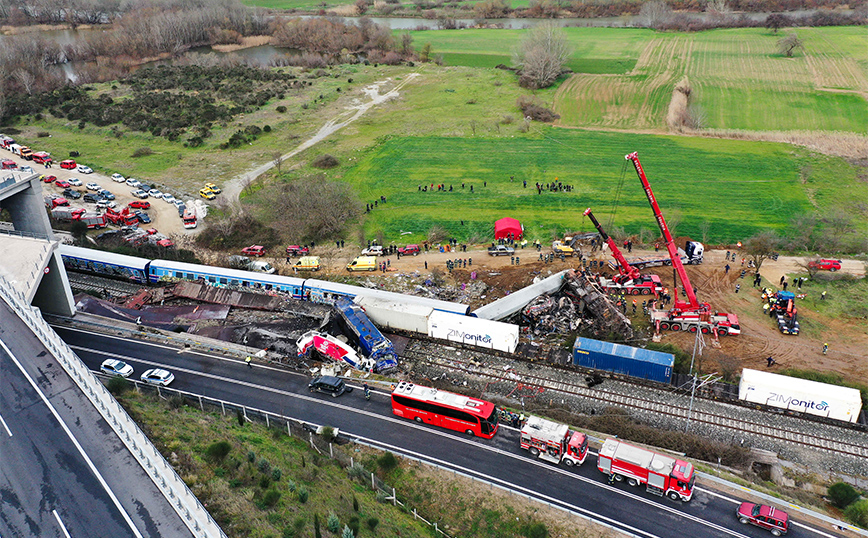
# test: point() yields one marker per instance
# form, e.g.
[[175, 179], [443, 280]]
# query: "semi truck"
[[554, 442], [692, 254], [661, 474]]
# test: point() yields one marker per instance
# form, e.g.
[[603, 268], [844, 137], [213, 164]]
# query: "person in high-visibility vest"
[[249, 361]]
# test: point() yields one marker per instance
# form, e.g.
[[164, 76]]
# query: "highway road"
[[500, 460]]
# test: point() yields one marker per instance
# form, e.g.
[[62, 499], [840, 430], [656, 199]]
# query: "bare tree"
[[656, 14], [25, 78], [761, 246], [788, 44], [811, 266], [277, 160], [541, 55]]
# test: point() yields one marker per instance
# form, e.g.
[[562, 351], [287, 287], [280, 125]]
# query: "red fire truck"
[[661, 474], [554, 442]]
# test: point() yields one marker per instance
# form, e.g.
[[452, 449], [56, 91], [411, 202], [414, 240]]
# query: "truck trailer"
[[554, 442], [659, 473], [623, 359]]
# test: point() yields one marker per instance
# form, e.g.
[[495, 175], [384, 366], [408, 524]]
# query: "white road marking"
[[59, 522], [5, 426]]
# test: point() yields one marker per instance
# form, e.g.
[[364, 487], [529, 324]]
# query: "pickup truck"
[[501, 250]]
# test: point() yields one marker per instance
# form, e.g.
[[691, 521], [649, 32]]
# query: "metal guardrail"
[[183, 501]]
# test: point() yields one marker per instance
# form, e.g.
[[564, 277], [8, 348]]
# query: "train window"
[[234, 282], [268, 286], [212, 279], [223, 281], [190, 276], [179, 274]]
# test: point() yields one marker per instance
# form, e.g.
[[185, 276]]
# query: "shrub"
[[387, 462], [81, 125], [325, 161], [842, 494], [271, 497], [43, 134], [535, 530], [276, 473], [264, 482], [356, 504], [218, 450], [354, 525], [533, 110], [118, 385], [263, 466], [858, 513], [251, 456], [317, 533], [177, 402], [143, 152], [291, 486], [357, 471], [281, 109], [266, 128], [333, 524], [347, 532], [303, 494], [239, 416], [372, 523]]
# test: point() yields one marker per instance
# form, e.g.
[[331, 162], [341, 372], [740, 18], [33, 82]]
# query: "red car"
[[253, 250], [68, 164], [62, 183], [9, 165], [409, 249], [767, 517], [140, 204], [48, 179], [297, 250], [826, 265]]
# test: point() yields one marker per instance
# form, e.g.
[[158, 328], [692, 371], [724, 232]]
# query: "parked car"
[[75, 182], [140, 194], [27, 169], [134, 183], [68, 164], [119, 178], [158, 376], [143, 217], [181, 209], [213, 188], [178, 203], [140, 204], [330, 384], [168, 198], [82, 169], [71, 193], [373, 250], [207, 194], [91, 198], [107, 194], [825, 265], [253, 250], [155, 193], [62, 183], [409, 249], [48, 178], [297, 250], [93, 186], [103, 203], [116, 367], [767, 517]]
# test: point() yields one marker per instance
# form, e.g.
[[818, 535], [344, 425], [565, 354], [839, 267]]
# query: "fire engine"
[[690, 315], [661, 474], [554, 442], [189, 219], [630, 280]]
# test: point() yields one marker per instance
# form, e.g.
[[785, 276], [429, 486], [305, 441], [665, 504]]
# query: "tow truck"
[[629, 280], [554, 442], [690, 315]]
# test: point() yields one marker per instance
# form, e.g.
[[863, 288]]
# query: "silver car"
[[158, 376], [116, 367]]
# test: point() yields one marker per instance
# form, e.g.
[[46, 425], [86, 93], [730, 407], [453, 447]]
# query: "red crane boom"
[[623, 267]]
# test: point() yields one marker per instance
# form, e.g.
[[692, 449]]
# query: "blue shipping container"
[[621, 359]]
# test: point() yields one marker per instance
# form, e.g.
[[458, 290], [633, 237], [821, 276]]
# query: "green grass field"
[[739, 188], [625, 77]]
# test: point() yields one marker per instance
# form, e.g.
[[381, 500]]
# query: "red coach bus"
[[445, 409]]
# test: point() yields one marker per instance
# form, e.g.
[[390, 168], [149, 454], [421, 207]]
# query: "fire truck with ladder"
[[690, 315], [629, 280], [554, 442], [661, 474]]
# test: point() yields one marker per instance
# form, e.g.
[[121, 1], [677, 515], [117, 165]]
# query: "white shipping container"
[[387, 314], [801, 395], [473, 331]]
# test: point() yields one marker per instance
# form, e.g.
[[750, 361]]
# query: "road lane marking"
[[75, 442], [5, 426], [59, 522]]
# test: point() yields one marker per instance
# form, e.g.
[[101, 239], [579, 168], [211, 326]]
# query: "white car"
[[178, 202], [119, 178], [134, 183], [102, 204], [116, 367], [169, 198], [154, 193], [27, 169], [91, 186], [158, 376], [82, 169], [374, 250], [74, 181], [140, 194]]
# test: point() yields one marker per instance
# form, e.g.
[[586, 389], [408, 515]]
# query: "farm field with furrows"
[[739, 188], [625, 77]]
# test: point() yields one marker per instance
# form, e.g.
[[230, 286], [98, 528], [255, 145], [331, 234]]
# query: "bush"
[[356, 504], [271, 497], [303, 494], [264, 482], [142, 152], [347, 532], [325, 161], [535, 530], [263, 466], [372, 523], [354, 525], [842, 494], [251, 456], [276, 473], [266, 128], [533, 110], [281, 109], [219, 450], [858, 513], [333, 524], [291, 486], [387, 462], [43, 134], [682, 358], [118, 385]]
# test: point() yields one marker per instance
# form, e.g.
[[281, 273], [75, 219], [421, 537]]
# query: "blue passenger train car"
[[368, 337]]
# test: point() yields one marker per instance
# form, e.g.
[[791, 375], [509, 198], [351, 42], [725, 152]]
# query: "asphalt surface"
[[499, 460], [63, 471]]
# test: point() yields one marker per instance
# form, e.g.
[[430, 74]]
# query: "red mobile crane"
[[630, 280], [690, 315]]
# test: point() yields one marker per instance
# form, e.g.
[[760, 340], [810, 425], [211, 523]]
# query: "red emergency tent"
[[506, 226]]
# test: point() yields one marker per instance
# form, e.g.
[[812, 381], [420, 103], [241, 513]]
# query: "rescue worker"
[[249, 361], [825, 348], [367, 391]]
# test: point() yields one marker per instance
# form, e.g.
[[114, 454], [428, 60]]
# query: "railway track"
[[670, 409], [97, 284]]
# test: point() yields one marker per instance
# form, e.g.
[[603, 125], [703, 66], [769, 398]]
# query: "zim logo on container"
[[464, 337], [807, 404]]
